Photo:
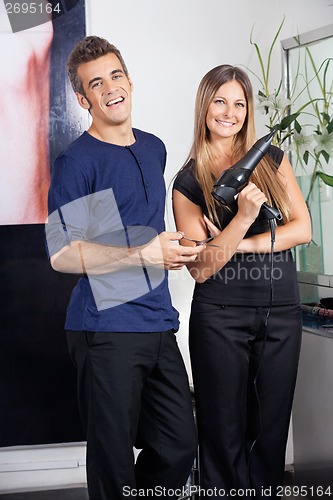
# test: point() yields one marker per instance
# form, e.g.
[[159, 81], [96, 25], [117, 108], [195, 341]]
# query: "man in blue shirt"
[[106, 222]]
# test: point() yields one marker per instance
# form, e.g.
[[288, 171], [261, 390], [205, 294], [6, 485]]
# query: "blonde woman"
[[244, 343]]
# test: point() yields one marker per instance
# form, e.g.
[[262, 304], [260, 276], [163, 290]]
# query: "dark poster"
[[39, 118]]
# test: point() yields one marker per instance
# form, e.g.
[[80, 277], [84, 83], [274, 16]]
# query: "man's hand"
[[163, 251]]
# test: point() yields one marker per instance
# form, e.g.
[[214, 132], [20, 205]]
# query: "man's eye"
[[97, 84], [115, 77]]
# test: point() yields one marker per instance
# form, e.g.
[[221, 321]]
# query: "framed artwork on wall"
[[39, 118]]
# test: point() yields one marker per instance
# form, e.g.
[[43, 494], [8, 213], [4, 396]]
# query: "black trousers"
[[133, 390], [225, 346]]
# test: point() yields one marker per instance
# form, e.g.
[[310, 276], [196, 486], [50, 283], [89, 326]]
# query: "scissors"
[[201, 242]]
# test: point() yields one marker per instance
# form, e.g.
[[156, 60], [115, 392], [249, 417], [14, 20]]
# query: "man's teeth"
[[115, 101]]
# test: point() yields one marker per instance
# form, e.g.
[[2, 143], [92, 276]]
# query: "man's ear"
[[130, 82], [82, 100]]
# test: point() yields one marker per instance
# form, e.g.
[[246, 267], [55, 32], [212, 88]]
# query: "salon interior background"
[[168, 45]]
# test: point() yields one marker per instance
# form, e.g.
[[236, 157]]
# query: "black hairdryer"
[[235, 178]]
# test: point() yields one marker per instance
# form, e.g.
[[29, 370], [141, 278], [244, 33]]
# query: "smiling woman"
[[226, 113], [239, 344]]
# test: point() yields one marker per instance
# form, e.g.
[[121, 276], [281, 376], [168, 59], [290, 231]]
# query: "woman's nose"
[[228, 111]]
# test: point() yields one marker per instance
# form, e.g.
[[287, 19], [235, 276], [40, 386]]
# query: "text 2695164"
[[32, 8]]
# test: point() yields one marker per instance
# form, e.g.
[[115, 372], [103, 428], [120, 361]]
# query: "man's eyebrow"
[[94, 80], [97, 78], [116, 71]]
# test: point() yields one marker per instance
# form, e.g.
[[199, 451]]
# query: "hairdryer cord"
[[272, 229]]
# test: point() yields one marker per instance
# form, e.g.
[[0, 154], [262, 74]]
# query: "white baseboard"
[[32, 468]]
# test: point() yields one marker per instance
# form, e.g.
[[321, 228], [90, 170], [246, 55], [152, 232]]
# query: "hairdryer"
[[235, 178]]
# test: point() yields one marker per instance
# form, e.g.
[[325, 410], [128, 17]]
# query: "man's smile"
[[115, 101]]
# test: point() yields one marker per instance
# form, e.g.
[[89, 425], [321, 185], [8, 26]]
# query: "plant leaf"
[[287, 121], [326, 117], [328, 179], [271, 49], [262, 94], [298, 127], [326, 156], [330, 127]]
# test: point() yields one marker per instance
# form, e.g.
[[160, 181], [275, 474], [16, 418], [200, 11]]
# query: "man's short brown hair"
[[89, 49]]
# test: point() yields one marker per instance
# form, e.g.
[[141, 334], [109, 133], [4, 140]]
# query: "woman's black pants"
[[133, 390], [244, 381]]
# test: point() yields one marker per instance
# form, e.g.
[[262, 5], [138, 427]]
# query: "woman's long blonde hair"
[[265, 174]]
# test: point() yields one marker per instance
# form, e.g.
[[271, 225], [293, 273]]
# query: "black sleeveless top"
[[246, 278]]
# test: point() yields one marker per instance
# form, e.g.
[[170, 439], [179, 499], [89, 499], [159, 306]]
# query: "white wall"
[[168, 45]]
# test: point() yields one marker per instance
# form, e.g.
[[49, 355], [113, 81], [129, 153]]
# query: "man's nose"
[[111, 86]]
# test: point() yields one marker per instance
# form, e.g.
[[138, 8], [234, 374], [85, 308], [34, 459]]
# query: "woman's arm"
[[295, 232], [189, 219]]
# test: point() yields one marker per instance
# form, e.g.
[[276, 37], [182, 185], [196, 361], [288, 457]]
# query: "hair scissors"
[[201, 242]]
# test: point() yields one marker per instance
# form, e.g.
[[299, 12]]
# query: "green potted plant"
[[304, 128], [302, 116]]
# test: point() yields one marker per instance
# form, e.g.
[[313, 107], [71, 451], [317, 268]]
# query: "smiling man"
[[106, 222]]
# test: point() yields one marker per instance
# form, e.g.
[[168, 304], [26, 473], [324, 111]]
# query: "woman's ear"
[[82, 100]]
